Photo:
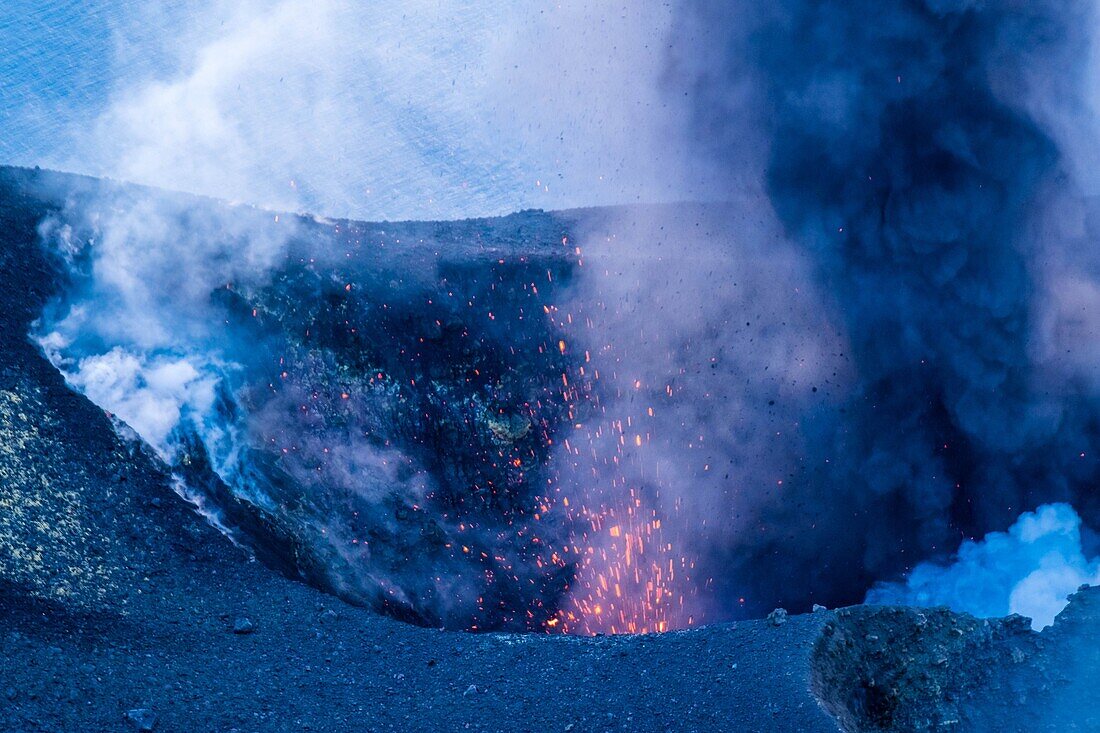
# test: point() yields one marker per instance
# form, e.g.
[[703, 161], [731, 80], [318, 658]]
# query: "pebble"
[[471, 690], [243, 626], [142, 718], [778, 617]]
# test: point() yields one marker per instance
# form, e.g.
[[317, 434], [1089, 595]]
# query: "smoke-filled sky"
[[885, 339], [424, 109]]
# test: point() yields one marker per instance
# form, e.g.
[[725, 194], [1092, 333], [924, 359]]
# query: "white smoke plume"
[[140, 337], [1031, 570], [392, 110]]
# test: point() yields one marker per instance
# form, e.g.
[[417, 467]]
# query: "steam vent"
[[471, 366]]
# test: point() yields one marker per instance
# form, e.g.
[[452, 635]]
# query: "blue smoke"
[[1031, 570]]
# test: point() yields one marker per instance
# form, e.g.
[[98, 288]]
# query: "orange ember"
[[630, 575]]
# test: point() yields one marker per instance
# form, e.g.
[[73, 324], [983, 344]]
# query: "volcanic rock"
[[243, 626]]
